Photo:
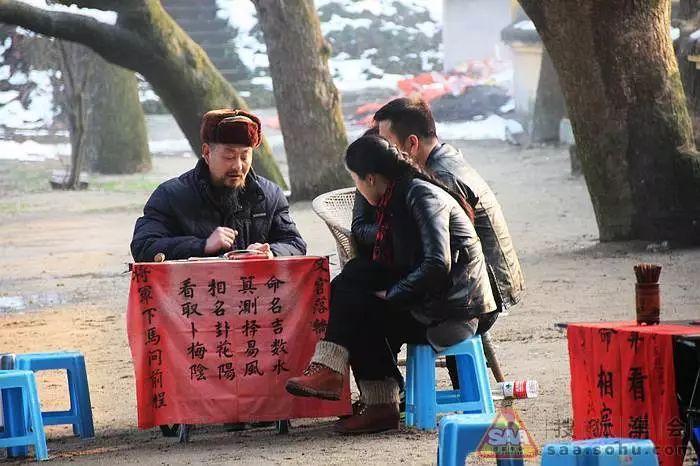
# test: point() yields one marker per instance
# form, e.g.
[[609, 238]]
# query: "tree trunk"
[[688, 8], [115, 128], [550, 107], [308, 102], [147, 40], [689, 73], [623, 91], [76, 70]]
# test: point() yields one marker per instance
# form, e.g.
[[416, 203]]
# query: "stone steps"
[[200, 21]]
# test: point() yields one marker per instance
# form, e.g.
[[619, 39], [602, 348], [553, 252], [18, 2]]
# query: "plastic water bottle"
[[515, 389]]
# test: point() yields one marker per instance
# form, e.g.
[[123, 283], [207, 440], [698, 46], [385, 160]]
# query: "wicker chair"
[[335, 208]]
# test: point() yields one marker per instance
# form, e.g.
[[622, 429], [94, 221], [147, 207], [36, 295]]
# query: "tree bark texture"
[[147, 40], [688, 8], [116, 141], [685, 46], [550, 106], [308, 102], [624, 95]]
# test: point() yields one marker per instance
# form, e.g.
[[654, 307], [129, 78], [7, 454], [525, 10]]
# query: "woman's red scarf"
[[383, 251]]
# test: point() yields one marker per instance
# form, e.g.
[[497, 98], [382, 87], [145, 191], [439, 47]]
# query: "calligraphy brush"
[[647, 273]]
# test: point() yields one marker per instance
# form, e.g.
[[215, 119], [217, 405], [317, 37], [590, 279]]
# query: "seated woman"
[[426, 283]]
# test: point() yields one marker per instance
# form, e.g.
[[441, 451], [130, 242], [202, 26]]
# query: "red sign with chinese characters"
[[215, 341], [623, 384]]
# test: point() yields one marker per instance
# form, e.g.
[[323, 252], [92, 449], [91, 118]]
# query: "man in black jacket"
[[221, 204]]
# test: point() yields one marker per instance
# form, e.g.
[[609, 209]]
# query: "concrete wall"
[[472, 29]]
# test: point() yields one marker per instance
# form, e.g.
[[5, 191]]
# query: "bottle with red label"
[[515, 389]]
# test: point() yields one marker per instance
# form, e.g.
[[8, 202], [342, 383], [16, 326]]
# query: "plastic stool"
[[461, 434], [600, 452], [423, 401], [80, 413], [22, 414]]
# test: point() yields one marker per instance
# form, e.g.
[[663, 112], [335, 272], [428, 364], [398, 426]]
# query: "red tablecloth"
[[216, 341], [623, 383]]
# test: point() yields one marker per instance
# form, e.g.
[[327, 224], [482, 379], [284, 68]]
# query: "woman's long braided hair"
[[374, 154]]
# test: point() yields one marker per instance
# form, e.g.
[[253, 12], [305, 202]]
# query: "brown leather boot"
[[370, 419], [318, 381], [357, 406]]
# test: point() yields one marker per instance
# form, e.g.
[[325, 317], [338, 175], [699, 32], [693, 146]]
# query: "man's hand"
[[380, 294], [262, 247], [221, 239]]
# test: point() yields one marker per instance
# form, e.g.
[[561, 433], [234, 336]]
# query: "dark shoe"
[[318, 381], [370, 419]]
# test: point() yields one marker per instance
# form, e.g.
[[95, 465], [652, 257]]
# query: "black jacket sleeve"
[[284, 237], [432, 217], [364, 227], [457, 186], [157, 232]]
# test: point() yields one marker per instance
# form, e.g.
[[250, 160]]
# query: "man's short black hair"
[[408, 116]]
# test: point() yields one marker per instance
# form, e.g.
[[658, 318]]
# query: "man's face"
[[229, 164], [409, 146]]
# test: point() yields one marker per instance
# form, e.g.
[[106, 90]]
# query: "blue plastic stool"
[[461, 434], [600, 452], [22, 414], [424, 402], [80, 412]]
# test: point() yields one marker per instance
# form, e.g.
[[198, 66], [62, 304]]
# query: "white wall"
[[527, 59], [472, 29]]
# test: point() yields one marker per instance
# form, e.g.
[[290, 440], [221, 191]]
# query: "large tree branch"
[[105, 5], [116, 44]]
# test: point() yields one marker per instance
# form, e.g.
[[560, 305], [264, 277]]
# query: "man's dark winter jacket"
[[182, 213], [448, 165]]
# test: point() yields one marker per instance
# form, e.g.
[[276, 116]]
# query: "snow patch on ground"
[[493, 127]]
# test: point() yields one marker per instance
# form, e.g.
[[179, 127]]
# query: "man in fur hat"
[[221, 204]]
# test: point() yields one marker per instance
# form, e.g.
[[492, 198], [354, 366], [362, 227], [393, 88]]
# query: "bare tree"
[[623, 92], [76, 70]]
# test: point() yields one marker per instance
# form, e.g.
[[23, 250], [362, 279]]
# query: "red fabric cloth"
[[623, 383], [383, 252], [216, 341]]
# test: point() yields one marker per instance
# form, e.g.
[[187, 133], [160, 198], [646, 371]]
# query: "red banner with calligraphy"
[[215, 341], [623, 384]]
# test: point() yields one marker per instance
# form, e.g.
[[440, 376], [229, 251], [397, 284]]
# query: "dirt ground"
[[63, 286]]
